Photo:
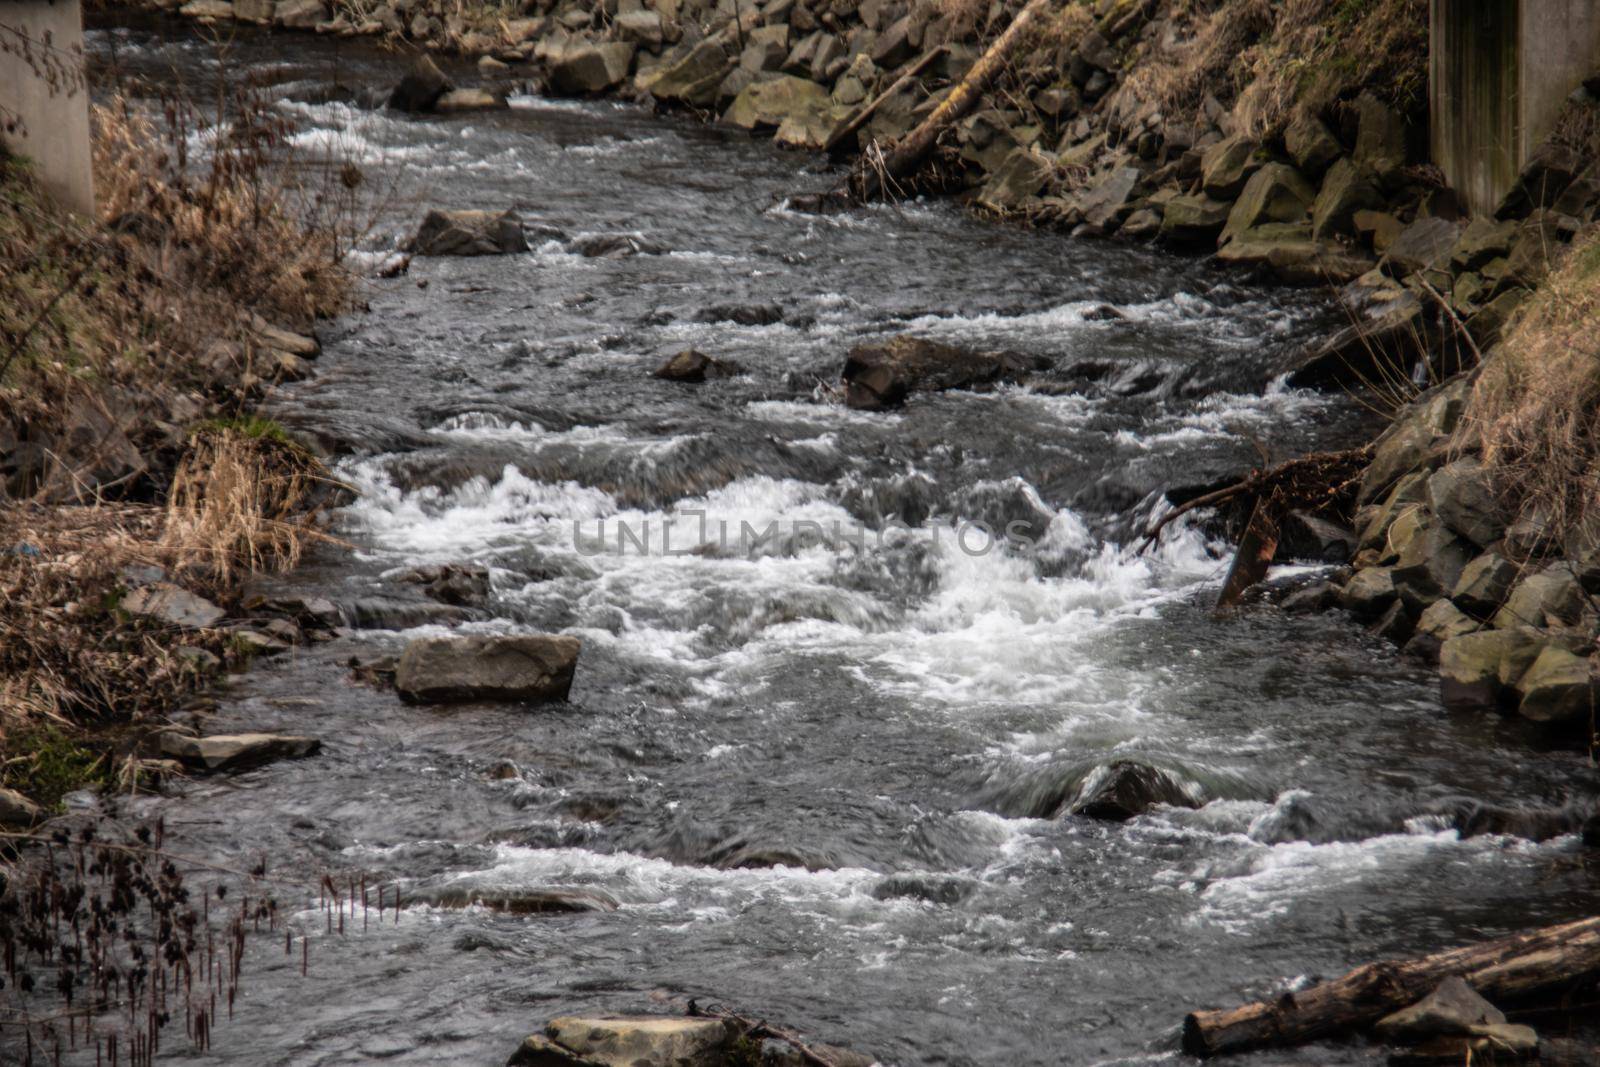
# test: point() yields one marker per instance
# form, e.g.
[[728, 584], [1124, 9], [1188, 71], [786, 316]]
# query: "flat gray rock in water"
[[226, 752], [527, 668]]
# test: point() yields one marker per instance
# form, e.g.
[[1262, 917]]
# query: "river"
[[886, 723]]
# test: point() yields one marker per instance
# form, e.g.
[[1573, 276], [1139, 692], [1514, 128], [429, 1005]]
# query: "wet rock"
[[1021, 176], [1532, 824], [1460, 496], [520, 900], [1193, 219], [469, 100], [695, 367], [1346, 191], [1123, 789], [421, 88], [1395, 625], [1310, 537], [614, 246], [769, 103], [232, 752], [882, 374], [17, 812], [1484, 585], [392, 613], [1312, 599], [742, 314], [529, 668], [1369, 592], [755, 857], [1227, 165], [1311, 145], [460, 584], [1275, 193], [469, 233], [1425, 245], [592, 68], [172, 605], [1558, 689], [934, 888], [642, 1040]]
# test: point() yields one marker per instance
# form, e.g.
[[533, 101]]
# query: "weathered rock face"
[[693, 80], [592, 68], [1558, 689], [530, 668], [1193, 219], [1345, 191], [1022, 175], [1471, 667], [172, 605], [1369, 592], [232, 752], [1125, 788], [1311, 145], [421, 88], [881, 375], [1227, 165], [1275, 193], [1484, 585], [695, 367], [469, 233], [1460, 495]]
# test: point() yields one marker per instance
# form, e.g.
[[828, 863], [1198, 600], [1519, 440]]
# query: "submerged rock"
[[460, 584], [469, 233], [881, 375], [421, 88], [694, 367], [527, 668], [1125, 788]]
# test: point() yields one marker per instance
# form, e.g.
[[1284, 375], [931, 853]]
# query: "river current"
[[820, 771]]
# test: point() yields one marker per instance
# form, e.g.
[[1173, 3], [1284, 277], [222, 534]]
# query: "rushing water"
[[892, 724]]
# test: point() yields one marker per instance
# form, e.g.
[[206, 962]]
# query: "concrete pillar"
[[44, 96]]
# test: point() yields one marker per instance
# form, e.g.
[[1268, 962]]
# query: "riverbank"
[[140, 493]]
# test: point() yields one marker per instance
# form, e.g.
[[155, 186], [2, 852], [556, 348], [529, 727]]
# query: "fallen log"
[[873, 174], [1256, 549], [1525, 965]]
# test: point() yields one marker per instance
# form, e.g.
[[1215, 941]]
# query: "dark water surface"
[[894, 726]]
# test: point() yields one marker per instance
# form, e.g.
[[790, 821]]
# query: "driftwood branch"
[[859, 119], [1526, 965], [908, 153], [760, 1029]]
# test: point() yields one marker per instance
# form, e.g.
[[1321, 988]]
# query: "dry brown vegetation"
[[1535, 409], [1265, 59]]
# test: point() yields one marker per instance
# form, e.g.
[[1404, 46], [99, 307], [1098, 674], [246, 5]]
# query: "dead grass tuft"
[[1535, 409]]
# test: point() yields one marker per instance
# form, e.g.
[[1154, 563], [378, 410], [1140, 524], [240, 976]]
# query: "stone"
[[17, 812], [1193, 219], [469, 100], [769, 103], [643, 28], [1311, 145], [518, 900], [1533, 251], [1490, 320], [1021, 176], [1369, 592], [812, 130], [1275, 193], [1483, 240], [883, 374], [1380, 345], [1311, 599], [421, 87], [232, 752], [765, 48], [1460, 495], [1400, 450], [1551, 597], [1380, 229], [469, 233], [173, 605], [1346, 190], [537, 1050], [1102, 203], [207, 9], [1471, 666], [741, 314], [1559, 689], [1547, 174], [695, 367], [693, 80], [1442, 620], [524, 668], [460, 584], [1395, 625], [594, 68], [1425, 245], [1484, 585], [1453, 1008], [1430, 566], [614, 246], [1380, 136], [1123, 789], [259, 12], [643, 1041], [1289, 252], [1227, 165], [1304, 536]]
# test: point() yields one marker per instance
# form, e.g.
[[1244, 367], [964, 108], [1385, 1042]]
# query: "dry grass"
[[1267, 59], [1535, 409], [241, 501]]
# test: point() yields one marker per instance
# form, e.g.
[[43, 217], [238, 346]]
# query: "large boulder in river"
[[695, 367], [1125, 788], [524, 668], [421, 88], [881, 375], [592, 68], [628, 1041], [469, 233]]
